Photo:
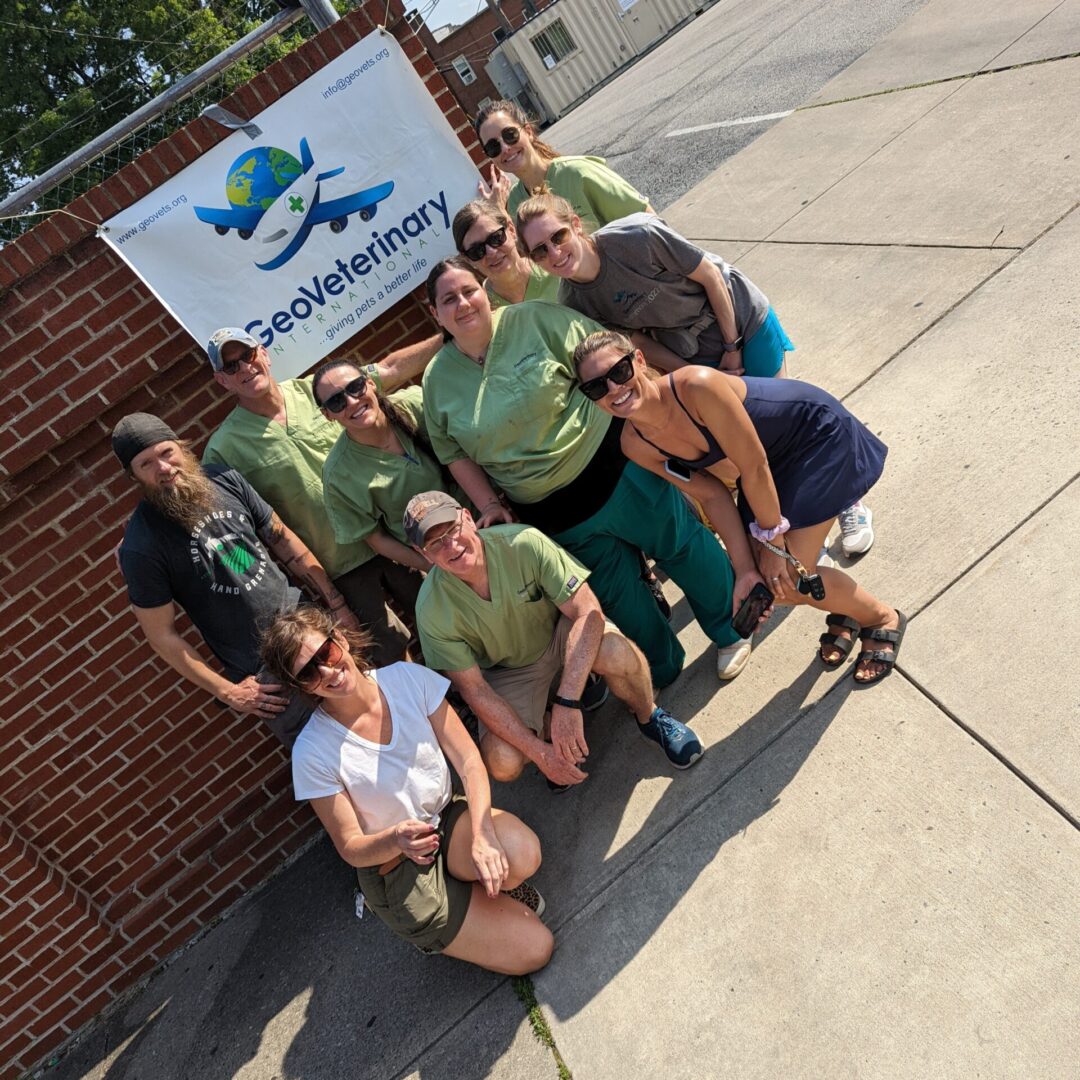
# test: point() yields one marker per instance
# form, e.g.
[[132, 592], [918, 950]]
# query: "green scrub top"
[[284, 464], [541, 286], [597, 194], [520, 416], [367, 489], [528, 577]]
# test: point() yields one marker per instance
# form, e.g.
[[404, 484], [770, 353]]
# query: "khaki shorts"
[[425, 905], [528, 690]]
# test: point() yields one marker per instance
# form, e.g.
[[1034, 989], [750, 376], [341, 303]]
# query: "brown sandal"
[[845, 645]]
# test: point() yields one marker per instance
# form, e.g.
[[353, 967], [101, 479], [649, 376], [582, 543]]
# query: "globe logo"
[[276, 200], [258, 177]]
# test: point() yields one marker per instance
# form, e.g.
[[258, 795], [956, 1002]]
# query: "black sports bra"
[[710, 457]]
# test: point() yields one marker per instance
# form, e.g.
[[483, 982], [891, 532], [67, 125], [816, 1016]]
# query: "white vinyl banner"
[[304, 235]]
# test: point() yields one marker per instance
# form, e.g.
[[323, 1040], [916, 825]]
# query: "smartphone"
[[678, 470], [746, 618]]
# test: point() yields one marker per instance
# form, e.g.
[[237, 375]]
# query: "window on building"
[[484, 103], [553, 43], [414, 19], [464, 70], [499, 34]]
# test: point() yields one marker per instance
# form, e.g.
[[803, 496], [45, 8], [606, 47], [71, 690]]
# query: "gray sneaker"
[[529, 896], [856, 529], [678, 742]]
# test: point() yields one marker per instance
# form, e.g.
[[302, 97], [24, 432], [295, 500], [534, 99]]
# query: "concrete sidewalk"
[[878, 883]]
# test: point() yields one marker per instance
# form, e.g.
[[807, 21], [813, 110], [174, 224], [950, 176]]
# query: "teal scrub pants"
[[646, 513]]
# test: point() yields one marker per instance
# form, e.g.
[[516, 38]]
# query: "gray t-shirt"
[[643, 285], [219, 572]]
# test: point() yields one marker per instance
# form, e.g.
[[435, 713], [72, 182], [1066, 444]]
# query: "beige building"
[[572, 46]]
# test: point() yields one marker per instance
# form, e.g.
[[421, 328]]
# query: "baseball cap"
[[427, 510], [221, 338]]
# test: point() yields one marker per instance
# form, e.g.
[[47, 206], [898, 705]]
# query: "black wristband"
[[733, 346], [567, 703]]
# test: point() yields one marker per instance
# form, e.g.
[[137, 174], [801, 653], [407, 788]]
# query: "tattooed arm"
[[305, 570]]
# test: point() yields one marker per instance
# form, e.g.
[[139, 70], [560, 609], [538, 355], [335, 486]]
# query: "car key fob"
[[812, 586]]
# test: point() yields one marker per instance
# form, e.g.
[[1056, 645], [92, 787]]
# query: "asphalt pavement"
[[736, 61], [874, 883]]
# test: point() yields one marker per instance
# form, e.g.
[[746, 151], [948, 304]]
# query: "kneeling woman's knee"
[[536, 949], [503, 762]]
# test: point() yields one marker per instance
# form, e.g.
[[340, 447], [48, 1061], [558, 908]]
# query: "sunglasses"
[[507, 137], [556, 239], [436, 545], [492, 240], [328, 654], [231, 367], [620, 373], [336, 402]]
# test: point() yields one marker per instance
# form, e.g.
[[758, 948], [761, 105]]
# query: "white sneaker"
[[825, 558], [856, 528], [731, 659]]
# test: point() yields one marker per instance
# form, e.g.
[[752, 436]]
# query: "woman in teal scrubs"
[[502, 408]]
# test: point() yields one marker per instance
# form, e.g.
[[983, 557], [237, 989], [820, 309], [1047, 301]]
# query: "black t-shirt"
[[219, 573]]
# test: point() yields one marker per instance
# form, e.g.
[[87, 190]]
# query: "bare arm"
[[582, 645], [709, 277], [387, 546], [407, 363], [305, 570], [411, 838], [475, 483], [248, 696], [488, 855], [657, 355], [501, 720]]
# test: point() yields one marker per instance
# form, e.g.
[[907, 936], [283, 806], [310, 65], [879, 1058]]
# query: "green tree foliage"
[[73, 68]]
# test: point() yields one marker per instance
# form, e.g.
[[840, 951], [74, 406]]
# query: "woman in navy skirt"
[[801, 459]]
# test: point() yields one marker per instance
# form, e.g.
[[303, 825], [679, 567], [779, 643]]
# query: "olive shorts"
[[425, 905]]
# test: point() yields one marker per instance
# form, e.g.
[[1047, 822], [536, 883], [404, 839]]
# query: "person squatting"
[[477, 550]]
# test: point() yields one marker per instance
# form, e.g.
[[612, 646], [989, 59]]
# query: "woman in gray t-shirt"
[[680, 303]]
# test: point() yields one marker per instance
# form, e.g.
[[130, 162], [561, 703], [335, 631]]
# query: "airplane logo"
[[278, 200]]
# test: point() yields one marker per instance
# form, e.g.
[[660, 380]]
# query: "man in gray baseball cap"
[[508, 616], [202, 538], [278, 439]]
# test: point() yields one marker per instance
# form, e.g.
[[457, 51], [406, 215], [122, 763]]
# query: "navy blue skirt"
[[821, 457]]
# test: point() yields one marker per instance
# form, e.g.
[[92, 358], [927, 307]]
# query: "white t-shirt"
[[407, 778]]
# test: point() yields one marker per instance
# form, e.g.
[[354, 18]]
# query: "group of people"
[[603, 395]]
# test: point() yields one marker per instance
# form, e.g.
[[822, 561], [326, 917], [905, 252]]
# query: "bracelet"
[[732, 346], [765, 535], [567, 703], [785, 554], [494, 502]]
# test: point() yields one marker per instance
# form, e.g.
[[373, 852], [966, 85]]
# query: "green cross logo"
[[296, 204]]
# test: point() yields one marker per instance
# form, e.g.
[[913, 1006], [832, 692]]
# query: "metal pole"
[[182, 88], [320, 12]]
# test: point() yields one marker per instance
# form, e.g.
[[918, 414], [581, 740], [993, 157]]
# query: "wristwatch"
[[733, 346], [567, 703]]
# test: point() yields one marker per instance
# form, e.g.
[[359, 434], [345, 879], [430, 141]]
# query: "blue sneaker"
[[680, 744]]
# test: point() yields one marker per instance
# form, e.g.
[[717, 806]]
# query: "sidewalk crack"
[[523, 987]]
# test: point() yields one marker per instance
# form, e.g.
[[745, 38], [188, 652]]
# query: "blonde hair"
[[536, 206], [608, 339], [284, 638], [521, 118]]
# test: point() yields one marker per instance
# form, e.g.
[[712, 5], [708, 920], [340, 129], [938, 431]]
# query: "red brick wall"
[[133, 808], [475, 41]]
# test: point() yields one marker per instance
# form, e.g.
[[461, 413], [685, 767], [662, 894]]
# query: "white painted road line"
[[730, 123]]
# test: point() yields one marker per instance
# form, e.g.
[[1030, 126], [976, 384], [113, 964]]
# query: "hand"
[[346, 619], [731, 363], [779, 574], [557, 770], [568, 735], [495, 514], [744, 582], [498, 191], [417, 841], [491, 863], [252, 696]]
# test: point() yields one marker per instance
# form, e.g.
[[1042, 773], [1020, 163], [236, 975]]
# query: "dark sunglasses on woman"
[[559, 237], [507, 137], [621, 372], [328, 654], [493, 240], [336, 402]]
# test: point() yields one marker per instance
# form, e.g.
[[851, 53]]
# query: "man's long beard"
[[190, 497]]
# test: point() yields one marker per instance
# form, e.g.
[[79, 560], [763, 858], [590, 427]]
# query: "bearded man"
[[202, 538]]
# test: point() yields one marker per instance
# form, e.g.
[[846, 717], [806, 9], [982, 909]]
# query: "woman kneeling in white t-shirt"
[[446, 874]]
